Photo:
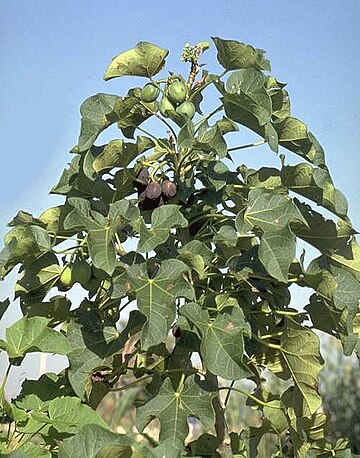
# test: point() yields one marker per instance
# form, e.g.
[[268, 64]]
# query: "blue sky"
[[53, 55]]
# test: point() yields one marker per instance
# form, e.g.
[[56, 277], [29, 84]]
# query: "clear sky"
[[53, 54]]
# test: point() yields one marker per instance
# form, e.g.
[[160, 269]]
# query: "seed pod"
[[153, 190], [169, 188], [143, 175]]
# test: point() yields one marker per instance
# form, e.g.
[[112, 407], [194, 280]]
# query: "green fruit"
[[177, 91], [186, 109], [149, 93], [66, 278], [81, 272], [165, 106]]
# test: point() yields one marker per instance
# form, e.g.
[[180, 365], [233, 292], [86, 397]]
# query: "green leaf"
[[22, 243], [233, 55], [163, 219], [124, 183], [131, 112], [265, 177], [194, 261], [156, 297], [90, 350], [347, 292], [146, 59], [68, 177], [222, 344], [96, 115], [101, 230], [32, 334], [92, 440], [186, 135], [316, 185], [25, 219], [197, 247], [252, 83], [68, 415], [212, 140], [294, 135], [35, 394], [30, 450], [351, 261], [226, 235], [173, 407], [118, 153], [39, 276], [277, 251], [301, 356], [325, 235], [268, 211]]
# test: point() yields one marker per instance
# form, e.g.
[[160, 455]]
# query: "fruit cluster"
[[175, 98], [152, 194]]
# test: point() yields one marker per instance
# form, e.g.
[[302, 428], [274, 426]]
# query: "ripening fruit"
[[165, 106], [153, 190], [149, 93], [169, 188], [177, 91], [187, 109], [81, 272], [66, 279], [143, 175]]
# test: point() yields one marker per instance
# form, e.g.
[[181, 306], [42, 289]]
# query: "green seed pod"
[[165, 106], [187, 109], [149, 93], [81, 272], [66, 278], [177, 92]]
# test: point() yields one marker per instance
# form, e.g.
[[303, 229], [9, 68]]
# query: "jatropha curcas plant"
[[203, 252]]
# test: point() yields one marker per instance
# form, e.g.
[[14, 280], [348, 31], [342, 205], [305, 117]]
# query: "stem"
[[248, 145], [250, 396], [124, 306], [181, 383], [120, 250], [20, 444], [147, 133], [266, 344], [285, 312], [169, 126], [130, 385], [6, 375], [208, 116], [229, 392], [67, 251]]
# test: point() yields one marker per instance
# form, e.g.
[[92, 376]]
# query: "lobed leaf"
[[234, 55], [146, 59], [33, 334], [156, 297], [222, 345], [173, 407]]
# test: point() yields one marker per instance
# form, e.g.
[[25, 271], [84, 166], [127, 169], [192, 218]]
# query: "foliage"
[[205, 250]]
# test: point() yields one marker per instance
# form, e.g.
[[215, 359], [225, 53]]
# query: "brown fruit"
[[143, 175], [153, 190], [169, 188]]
